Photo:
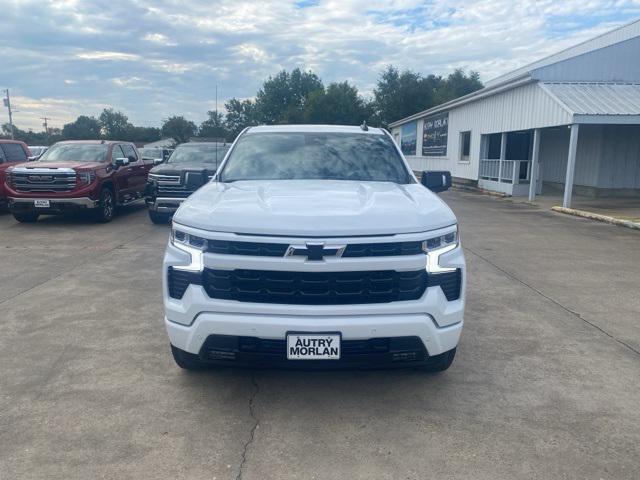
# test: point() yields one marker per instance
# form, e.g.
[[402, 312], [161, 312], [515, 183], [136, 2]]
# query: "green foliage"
[[400, 94], [84, 128], [214, 127], [114, 125], [30, 137], [240, 114], [283, 98], [287, 97], [179, 128], [339, 104]]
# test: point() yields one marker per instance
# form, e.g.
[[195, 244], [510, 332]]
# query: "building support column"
[[533, 172], [571, 166], [503, 153]]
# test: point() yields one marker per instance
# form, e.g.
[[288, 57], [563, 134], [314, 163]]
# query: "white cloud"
[[113, 48], [98, 55], [159, 38]]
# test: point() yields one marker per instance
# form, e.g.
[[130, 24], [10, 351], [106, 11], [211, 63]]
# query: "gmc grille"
[[43, 182]]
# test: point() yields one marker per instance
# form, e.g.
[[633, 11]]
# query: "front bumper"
[[379, 352], [164, 204], [57, 205]]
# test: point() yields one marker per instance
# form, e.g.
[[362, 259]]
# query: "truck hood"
[[177, 168], [312, 208], [56, 165]]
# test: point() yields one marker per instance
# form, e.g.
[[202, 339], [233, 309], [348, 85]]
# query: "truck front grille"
[[179, 191], [352, 250], [43, 182], [314, 288]]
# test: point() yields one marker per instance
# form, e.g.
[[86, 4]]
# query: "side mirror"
[[157, 161], [121, 162], [436, 181], [33, 158], [195, 180]]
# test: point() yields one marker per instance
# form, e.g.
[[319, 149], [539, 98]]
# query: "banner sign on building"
[[434, 135], [408, 138]]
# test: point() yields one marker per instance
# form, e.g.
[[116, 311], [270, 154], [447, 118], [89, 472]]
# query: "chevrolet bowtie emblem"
[[315, 251]]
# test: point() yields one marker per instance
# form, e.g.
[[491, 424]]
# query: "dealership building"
[[568, 124]]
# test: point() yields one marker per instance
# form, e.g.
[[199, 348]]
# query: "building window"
[[465, 146], [408, 137]]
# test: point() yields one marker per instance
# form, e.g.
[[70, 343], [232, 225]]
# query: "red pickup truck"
[[92, 175], [12, 152]]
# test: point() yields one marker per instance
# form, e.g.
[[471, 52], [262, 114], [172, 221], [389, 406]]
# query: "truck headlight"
[[434, 247], [193, 245], [86, 178]]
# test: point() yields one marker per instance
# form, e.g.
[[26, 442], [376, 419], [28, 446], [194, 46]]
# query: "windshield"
[[150, 152], [70, 152], [322, 156], [199, 154]]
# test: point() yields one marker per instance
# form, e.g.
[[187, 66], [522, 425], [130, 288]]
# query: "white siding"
[[608, 156], [620, 156], [521, 108]]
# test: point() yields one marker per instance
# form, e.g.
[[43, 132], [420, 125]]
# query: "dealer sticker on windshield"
[[313, 346]]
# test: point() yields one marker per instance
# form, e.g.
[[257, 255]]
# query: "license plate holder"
[[42, 204], [314, 345]]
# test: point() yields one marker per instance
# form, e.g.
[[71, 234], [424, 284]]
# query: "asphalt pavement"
[[546, 383]]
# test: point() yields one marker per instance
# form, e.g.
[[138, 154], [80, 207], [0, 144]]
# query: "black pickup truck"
[[190, 166]]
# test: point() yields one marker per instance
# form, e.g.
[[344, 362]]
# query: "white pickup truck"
[[315, 246]]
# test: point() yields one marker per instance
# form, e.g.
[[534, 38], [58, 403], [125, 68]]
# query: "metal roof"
[[617, 35], [596, 98], [523, 76]]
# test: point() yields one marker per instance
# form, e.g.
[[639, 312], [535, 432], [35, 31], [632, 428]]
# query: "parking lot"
[[545, 384]]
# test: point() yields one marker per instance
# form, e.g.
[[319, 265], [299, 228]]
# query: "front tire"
[[186, 360], [158, 218], [106, 206], [440, 363], [26, 217]]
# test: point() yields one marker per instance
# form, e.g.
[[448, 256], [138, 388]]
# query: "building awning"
[[598, 102]]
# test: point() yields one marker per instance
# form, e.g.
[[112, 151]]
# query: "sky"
[[152, 59]]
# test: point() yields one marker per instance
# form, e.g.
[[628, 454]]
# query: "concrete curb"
[[597, 217], [464, 188]]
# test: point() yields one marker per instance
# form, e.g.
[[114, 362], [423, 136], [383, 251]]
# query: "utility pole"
[[7, 103], [46, 128]]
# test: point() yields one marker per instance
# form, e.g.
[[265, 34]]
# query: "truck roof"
[[94, 142], [316, 129]]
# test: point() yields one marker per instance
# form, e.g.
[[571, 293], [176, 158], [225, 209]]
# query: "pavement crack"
[[254, 427], [554, 301]]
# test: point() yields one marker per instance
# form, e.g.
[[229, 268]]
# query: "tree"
[[84, 128], [282, 98], [114, 125], [214, 126], [400, 94], [339, 104], [179, 128], [457, 85], [240, 114], [142, 134]]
